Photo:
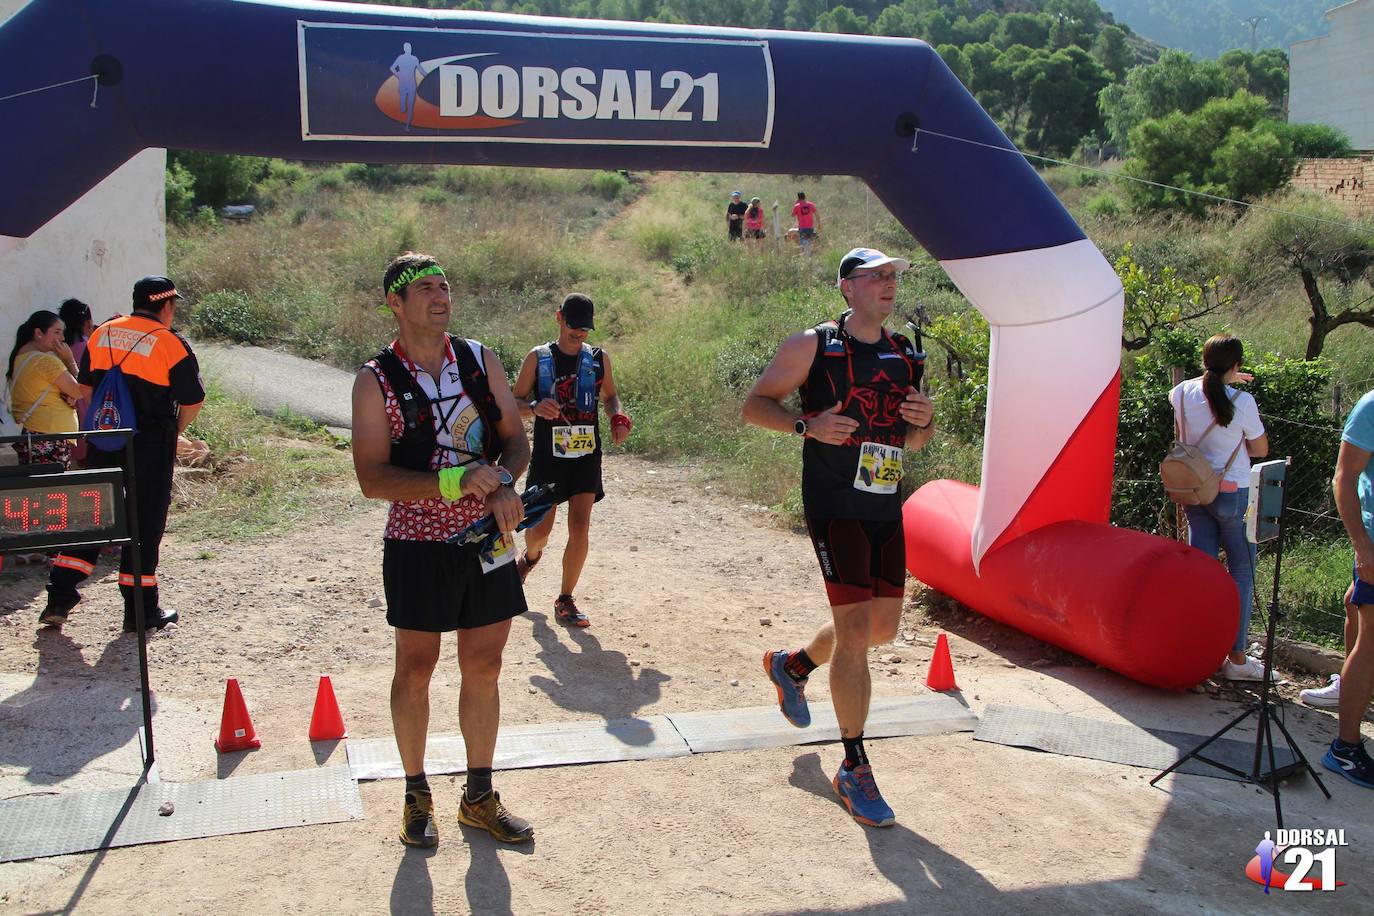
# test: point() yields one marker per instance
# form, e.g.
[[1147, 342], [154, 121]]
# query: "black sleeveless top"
[[871, 380], [565, 393]]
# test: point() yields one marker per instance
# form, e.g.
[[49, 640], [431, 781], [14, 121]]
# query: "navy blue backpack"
[[112, 404]]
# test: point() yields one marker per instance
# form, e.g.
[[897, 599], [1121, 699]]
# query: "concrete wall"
[[96, 248], [1347, 183], [1331, 79]]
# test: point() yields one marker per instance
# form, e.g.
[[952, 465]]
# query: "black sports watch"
[[799, 427]]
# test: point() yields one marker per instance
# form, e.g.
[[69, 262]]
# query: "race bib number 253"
[[880, 468]]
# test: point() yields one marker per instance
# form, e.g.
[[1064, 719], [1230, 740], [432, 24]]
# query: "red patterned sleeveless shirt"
[[459, 430]]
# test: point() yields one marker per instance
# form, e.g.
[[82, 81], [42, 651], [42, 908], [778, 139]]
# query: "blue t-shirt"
[[1359, 432]]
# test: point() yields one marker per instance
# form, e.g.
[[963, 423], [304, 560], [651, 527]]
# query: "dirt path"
[[685, 590], [670, 293]]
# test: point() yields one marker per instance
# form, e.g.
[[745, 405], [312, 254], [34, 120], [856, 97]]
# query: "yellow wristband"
[[451, 483]]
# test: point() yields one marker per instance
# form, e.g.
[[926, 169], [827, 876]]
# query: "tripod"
[[1264, 708]]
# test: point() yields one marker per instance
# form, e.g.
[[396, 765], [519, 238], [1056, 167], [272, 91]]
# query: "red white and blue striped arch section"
[[347, 82], [1055, 321]]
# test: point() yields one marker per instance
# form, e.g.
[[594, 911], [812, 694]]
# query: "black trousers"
[[153, 463]]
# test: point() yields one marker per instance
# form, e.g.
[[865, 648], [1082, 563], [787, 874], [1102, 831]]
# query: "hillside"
[[1209, 27]]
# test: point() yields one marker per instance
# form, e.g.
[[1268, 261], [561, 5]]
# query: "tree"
[[1112, 52], [897, 22], [1027, 29], [1175, 83], [1154, 304], [1303, 234], [180, 189], [936, 28], [954, 58], [801, 14], [1229, 148], [1265, 74], [1061, 98], [842, 20], [219, 179]]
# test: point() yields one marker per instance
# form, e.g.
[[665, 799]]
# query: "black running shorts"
[[859, 559], [438, 587], [570, 476]]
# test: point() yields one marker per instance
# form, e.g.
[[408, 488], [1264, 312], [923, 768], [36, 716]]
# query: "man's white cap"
[[866, 257]]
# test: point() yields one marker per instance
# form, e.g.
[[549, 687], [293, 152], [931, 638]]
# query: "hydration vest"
[[419, 438], [585, 398], [832, 346]]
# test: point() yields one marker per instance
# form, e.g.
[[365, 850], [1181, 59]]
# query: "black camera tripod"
[[1264, 707]]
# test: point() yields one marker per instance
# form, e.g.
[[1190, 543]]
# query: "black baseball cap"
[[151, 293], [577, 311]]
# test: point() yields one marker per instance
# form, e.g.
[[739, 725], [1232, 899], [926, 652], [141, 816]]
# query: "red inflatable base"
[[1152, 609]]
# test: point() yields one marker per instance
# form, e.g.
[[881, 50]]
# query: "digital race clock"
[[68, 509]]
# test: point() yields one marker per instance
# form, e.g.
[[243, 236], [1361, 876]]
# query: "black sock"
[[1344, 745], [799, 664], [417, 783], [479, 782], [854, 751]]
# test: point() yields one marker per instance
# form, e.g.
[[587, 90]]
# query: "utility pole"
[[1253, 22]]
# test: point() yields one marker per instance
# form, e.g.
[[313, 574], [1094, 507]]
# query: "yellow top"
[[37, 372]]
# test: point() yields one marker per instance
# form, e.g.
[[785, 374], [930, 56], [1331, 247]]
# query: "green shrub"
[[233, 315], [180, 189], [1083, 178], [610, 185], [288, 172], [220, 179], [329, 180], [205, 218], [657, 241], [741, 361], [697, 253], [382, 176], [434, 196], [280, 181], [1104, 205]]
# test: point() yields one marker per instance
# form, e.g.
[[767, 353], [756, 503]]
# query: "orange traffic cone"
[[326, 723], [235, 727], [941, 674]]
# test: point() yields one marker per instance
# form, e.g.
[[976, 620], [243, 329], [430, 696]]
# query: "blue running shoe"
[[791, 692], [860, 795], [1352, 763]]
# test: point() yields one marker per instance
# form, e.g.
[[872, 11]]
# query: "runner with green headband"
[[437, 432]]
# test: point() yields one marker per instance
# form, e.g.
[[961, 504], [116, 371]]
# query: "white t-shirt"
[[1221, 441]]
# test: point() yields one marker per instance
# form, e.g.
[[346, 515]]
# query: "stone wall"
[[1347, 183]]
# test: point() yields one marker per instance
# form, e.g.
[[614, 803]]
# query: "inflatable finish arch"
[[343, 82]]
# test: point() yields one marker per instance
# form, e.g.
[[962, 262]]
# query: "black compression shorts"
[[859, 559]]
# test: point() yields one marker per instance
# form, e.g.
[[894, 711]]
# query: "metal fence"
[[1317, 557]]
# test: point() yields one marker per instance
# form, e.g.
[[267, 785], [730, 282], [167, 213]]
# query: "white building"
[[1331, 78], [95, 249]]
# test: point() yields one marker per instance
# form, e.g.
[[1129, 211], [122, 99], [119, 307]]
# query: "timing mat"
[[661, 736], [1120, 742], [52, 825]]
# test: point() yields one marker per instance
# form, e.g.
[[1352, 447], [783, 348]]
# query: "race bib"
[[573, 441], [501, 554], [880, 468]]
